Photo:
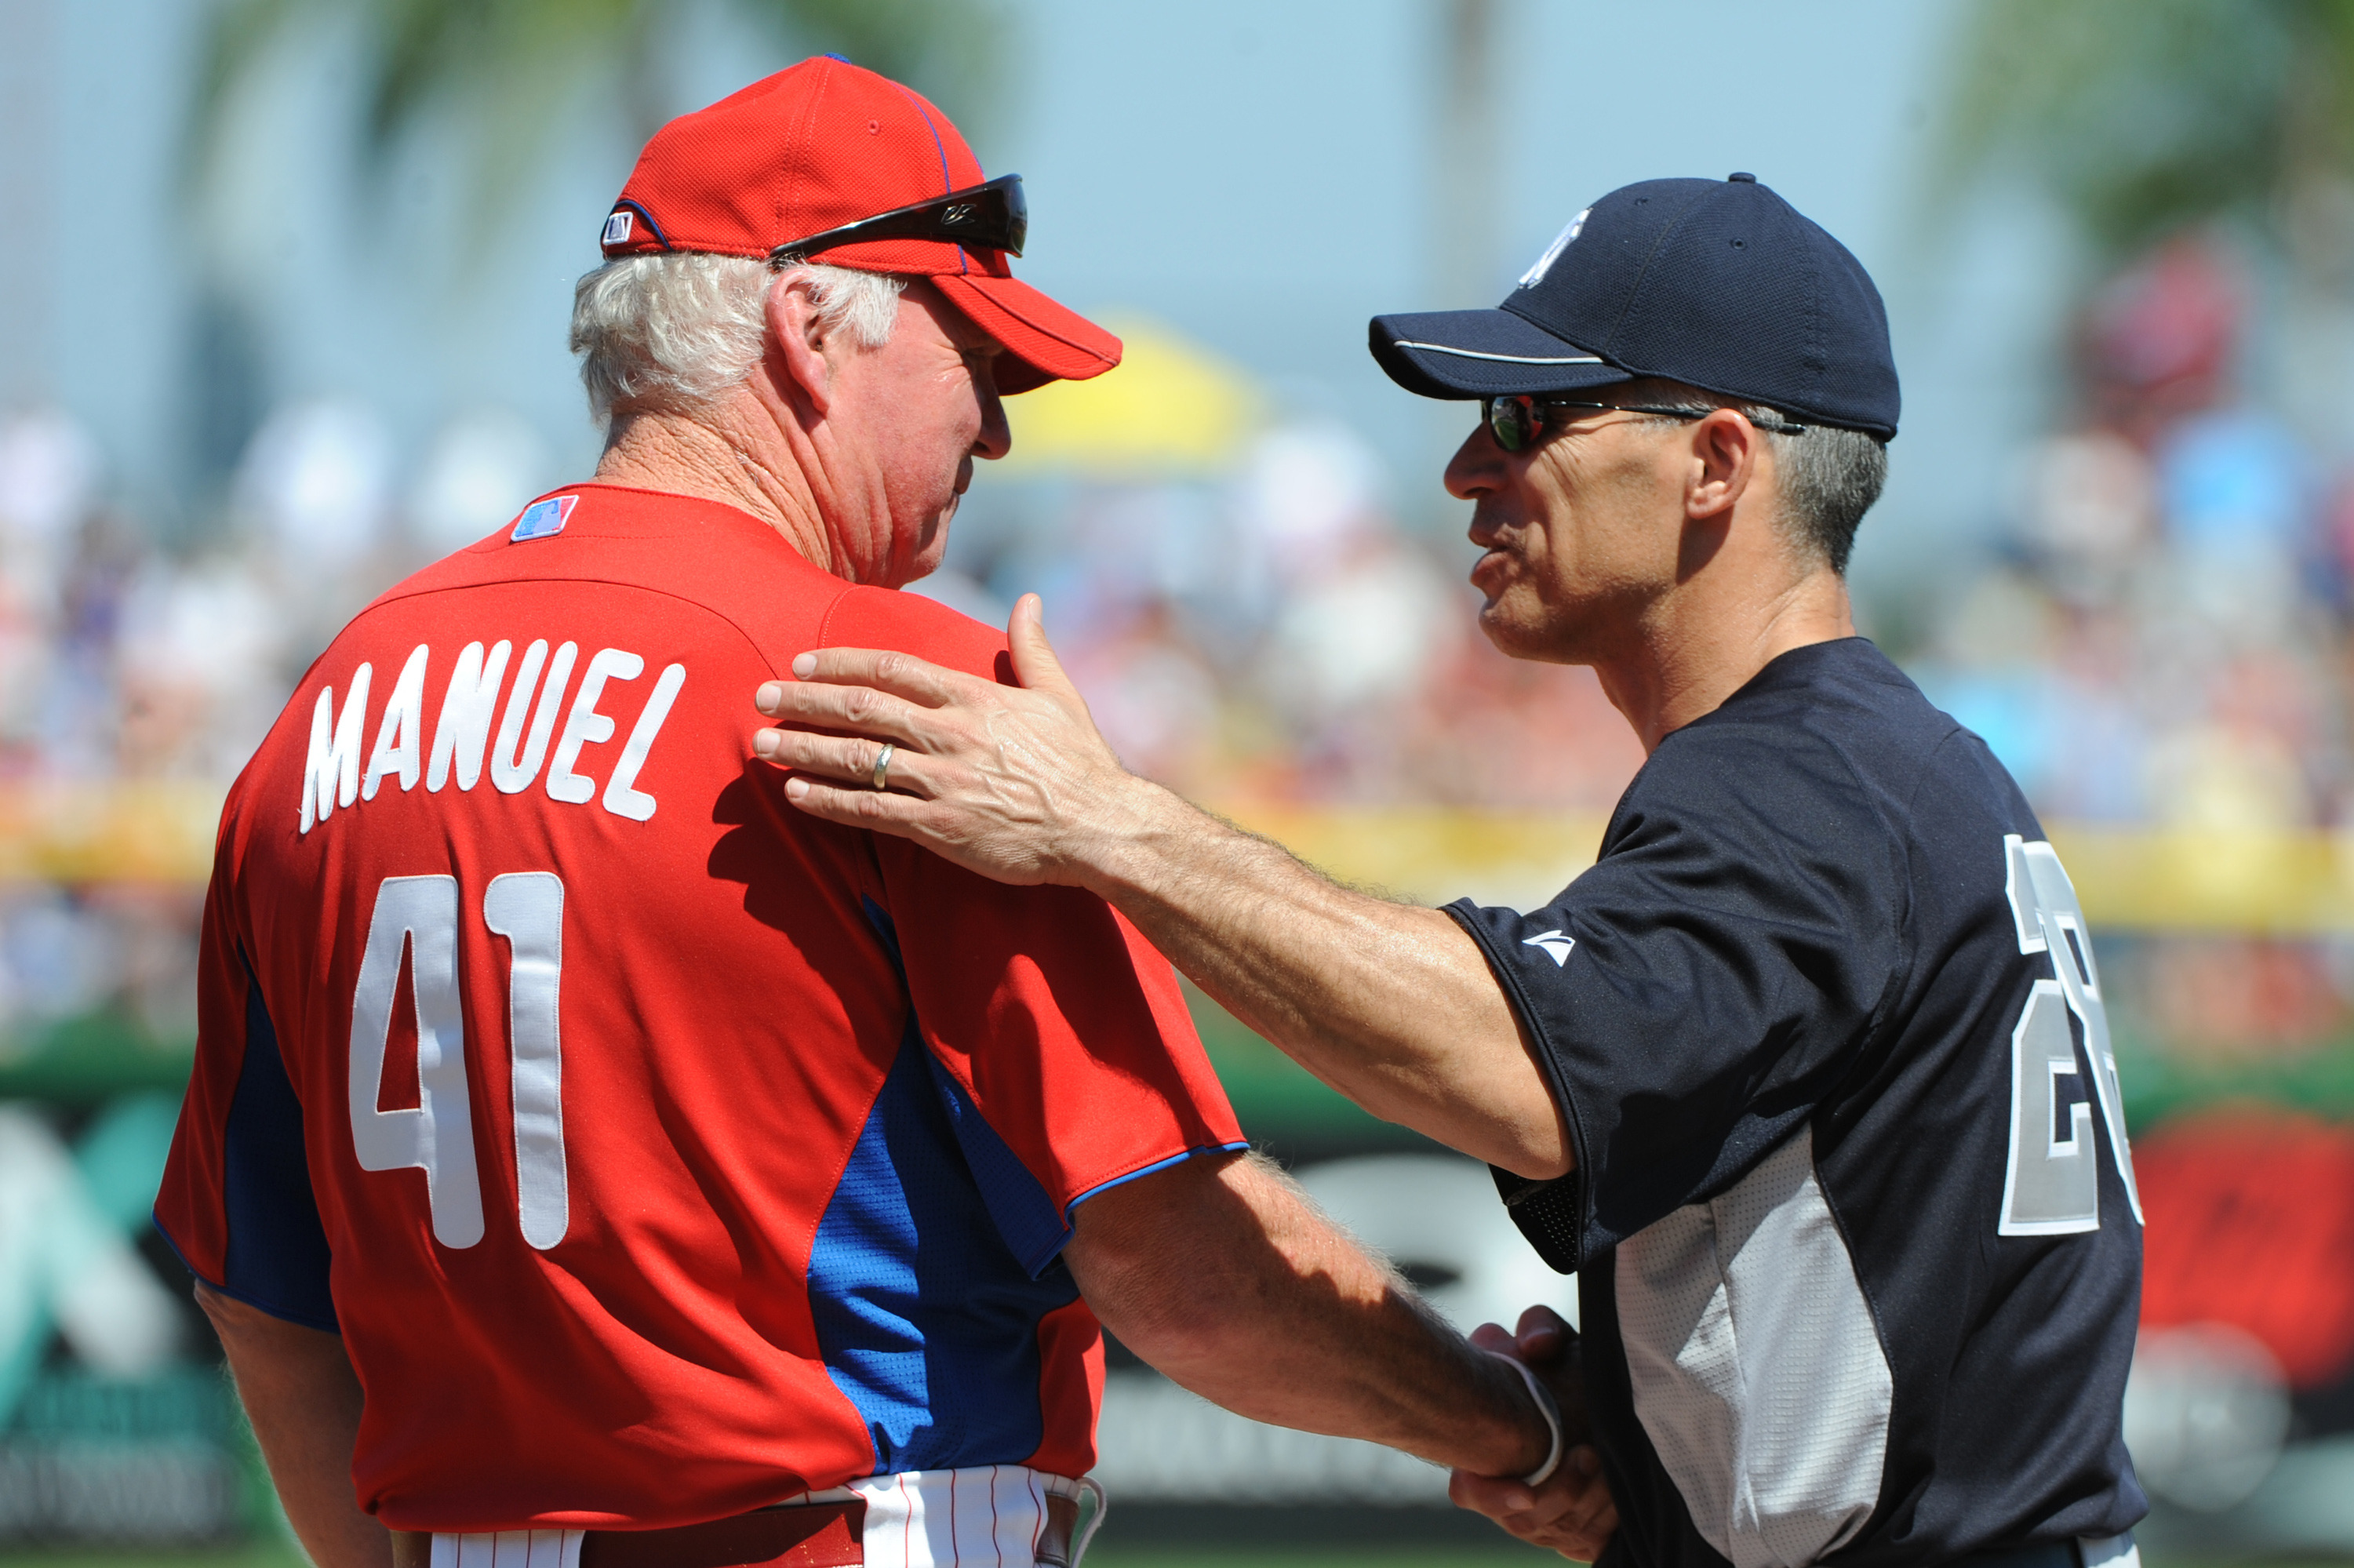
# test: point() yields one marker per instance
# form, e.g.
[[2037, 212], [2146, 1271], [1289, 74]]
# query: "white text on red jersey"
[[462, 741]]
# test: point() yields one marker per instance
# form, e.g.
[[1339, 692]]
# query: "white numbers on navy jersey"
[[418, 914], [527, 747], [2051, 1184]]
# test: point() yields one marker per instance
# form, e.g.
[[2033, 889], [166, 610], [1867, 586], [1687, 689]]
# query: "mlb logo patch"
[[618, 226], [543, 519]]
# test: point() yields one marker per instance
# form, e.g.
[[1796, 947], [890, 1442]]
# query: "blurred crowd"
[[2157, 637], [2161, 639], [131, 661]]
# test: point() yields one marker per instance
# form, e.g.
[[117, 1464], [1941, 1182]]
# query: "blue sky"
[[1260, 177]]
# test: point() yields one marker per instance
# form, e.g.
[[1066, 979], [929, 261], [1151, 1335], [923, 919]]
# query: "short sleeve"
[[1705, 986], [235, 1203], [1058, 1037]]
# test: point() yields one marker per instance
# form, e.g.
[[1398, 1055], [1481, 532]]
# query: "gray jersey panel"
[[1756, 1369]]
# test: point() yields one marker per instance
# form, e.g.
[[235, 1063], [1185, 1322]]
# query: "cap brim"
[[1482, 354], [1046, 341]]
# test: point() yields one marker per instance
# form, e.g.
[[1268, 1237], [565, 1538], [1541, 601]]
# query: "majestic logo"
[[618, 226], [543, 519], [1535, 275], [1556, 946]]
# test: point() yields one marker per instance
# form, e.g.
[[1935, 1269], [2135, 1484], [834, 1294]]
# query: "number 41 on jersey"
[[437, 1134]]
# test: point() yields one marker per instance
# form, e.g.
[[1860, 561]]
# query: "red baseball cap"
[[826, 144]]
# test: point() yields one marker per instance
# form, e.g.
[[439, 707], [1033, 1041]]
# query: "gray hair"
[[1829, 476], [671, 332]]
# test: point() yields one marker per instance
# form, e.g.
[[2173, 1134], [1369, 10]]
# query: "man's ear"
[[1726, 449], [800, 339]]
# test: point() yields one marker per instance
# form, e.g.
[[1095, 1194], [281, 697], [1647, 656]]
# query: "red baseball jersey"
[[659, 1151]]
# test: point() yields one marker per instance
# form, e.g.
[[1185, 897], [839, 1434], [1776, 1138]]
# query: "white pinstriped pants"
[[986, 1517]]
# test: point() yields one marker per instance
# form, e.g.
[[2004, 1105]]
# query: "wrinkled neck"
[[722, 455]]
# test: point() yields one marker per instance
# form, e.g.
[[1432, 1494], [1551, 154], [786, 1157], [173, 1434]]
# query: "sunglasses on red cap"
[[991, 216]]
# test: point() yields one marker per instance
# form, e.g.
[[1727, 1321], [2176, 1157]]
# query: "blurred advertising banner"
[[114, 1424]]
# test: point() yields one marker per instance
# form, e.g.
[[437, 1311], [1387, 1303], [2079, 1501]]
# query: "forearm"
[[1267, 1310], [1393, 1005], [303, 1400]]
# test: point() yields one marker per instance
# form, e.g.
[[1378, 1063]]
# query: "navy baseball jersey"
[[1853, 1213]]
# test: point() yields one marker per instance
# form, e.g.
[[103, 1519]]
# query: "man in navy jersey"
[[1808, 1078]]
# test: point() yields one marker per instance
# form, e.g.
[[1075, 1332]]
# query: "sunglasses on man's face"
[[1516, 422], [991, 216]]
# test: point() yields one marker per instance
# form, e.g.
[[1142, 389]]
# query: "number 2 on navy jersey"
[[436, 1134], [2051, 1185]]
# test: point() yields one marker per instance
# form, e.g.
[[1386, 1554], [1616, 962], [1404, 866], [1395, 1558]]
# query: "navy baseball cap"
[[1720, 286]]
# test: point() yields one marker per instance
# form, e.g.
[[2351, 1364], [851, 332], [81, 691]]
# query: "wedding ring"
[[882, 765]]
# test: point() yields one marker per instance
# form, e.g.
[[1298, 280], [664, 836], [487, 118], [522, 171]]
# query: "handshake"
[[1570, 1510]]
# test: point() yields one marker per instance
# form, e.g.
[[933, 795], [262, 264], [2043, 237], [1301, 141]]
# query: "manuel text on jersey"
[[461, 740]]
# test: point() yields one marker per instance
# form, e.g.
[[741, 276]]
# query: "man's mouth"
[[1488, 571]]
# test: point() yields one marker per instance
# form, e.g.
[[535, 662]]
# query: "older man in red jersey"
[[592, 1160]]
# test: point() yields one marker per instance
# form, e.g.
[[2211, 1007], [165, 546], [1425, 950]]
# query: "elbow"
[[1529, 1137], [228, 1316], [1538, 1161], [1534, 1133], [1181, 1266], [1172, 1349], [1176, 1329]]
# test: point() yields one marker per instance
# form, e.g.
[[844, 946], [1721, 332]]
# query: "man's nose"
[[996, 438], [1476, 467]]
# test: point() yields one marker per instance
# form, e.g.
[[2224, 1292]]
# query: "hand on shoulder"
[[1014, 782]]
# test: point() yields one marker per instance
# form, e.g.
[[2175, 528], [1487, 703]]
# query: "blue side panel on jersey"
[[277, 1257], [1025, 1215], [880, 918], [928, 1322]]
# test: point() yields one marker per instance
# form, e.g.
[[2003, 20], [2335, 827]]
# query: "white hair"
[[672, 331]]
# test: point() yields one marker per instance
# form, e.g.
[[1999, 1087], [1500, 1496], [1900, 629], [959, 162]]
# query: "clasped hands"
[[1571, 1511]]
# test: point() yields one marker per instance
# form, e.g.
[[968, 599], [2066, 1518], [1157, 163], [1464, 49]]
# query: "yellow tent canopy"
[[1171, 409]]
